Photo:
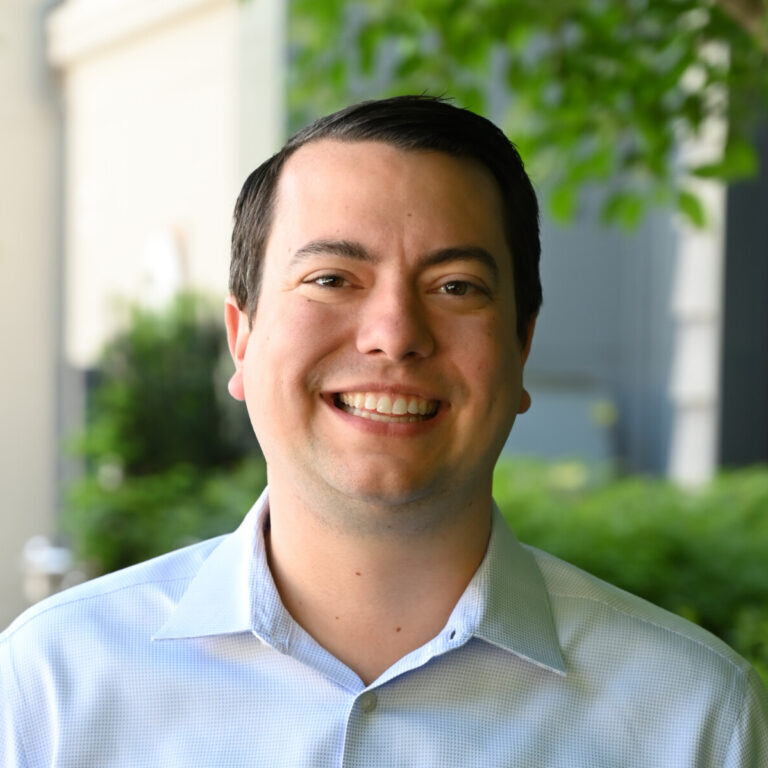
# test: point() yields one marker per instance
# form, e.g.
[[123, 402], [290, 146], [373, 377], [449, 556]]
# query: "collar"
[[232, 588], [506, 603], [517, 615]]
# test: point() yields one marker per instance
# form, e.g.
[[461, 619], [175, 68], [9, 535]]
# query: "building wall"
[[29, 304], [600, 367], [625, 364], [161, 109], [744, 428]]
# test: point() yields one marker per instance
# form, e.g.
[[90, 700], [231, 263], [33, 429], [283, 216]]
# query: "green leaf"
[[691, 207], [562, 203], [625, 208], [739, 161]]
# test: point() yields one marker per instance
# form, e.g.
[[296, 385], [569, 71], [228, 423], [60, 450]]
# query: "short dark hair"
[[408, 123]]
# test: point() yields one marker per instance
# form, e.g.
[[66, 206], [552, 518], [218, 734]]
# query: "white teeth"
[[384, 407], [374, 416]]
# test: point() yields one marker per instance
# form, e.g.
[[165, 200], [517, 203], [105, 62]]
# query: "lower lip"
[[385, 428]]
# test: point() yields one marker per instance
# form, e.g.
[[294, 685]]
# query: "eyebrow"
[[352, 250], [463, 253], [346, 248]]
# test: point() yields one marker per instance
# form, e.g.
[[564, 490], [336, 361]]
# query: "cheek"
[[312, 335], [493, 370], [312, 318], [490, 353], [289, 346]]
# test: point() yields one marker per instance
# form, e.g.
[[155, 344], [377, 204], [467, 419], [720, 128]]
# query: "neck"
[[370, 592]]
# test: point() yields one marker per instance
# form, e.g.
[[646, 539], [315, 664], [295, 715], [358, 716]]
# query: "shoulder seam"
[[8, 633], [742, 672]]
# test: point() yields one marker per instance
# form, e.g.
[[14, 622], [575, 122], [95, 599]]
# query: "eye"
[[460, 288], [328, 281]]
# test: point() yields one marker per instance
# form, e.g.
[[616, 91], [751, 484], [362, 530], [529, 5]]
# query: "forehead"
[[372, 188]]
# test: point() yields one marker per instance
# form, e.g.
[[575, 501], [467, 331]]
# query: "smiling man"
[[373, 609], [384, 342]]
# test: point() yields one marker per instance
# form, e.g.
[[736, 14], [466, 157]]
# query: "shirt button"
[[368, 701]]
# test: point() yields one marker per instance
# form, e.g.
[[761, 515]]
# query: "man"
[[373, 609]]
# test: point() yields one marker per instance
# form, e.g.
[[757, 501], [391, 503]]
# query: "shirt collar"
[[221, 599], [506, 603], [516, 614]]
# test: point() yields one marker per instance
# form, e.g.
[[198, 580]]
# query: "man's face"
[[383, 363]]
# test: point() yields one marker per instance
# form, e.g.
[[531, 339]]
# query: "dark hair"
[[408, 123]]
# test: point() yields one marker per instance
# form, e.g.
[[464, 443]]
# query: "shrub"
[[147, 515], [169, 457]]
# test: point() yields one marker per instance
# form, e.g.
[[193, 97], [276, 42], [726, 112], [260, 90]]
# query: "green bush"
[[169, 457], [160, 398], [701, 554], [147, 515]]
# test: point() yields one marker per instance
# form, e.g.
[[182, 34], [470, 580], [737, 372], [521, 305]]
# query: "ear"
[[525, 397], [238, 333]]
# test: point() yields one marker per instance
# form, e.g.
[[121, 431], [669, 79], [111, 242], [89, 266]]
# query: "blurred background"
[[126, 130]]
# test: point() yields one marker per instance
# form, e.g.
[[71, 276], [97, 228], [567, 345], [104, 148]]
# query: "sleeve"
[[748, 747], [11, 748]]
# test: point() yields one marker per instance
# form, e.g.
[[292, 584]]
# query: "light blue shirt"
[[191, 660]]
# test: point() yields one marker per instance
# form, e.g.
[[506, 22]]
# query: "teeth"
[[384, 407]]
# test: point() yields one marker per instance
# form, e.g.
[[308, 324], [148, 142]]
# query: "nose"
[[394, 323]]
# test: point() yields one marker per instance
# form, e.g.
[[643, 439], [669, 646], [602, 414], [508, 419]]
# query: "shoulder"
[[615, 643], [138, 594], [75, 661], [581, 599]]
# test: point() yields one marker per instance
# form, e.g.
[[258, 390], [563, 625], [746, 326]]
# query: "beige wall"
[[28, 296], [167, 102]]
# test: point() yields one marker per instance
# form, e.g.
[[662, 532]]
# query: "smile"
[[381, 406]]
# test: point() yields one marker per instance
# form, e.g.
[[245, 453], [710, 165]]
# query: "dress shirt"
[[191, 659]]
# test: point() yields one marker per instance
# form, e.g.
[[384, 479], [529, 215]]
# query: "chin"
[[393, 491]]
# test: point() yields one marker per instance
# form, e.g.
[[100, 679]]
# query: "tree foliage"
[[591, 91]]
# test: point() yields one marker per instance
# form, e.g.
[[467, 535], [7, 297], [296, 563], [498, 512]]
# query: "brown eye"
[[330, 281], [457, 288]]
